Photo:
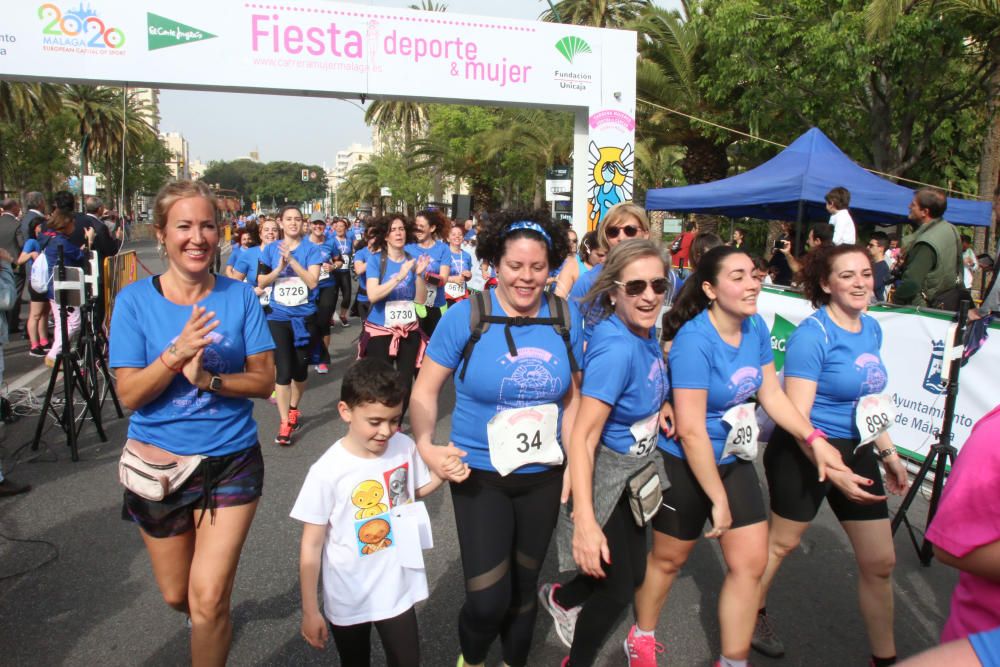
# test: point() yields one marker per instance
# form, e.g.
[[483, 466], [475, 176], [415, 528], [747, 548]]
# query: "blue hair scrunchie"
[[527, 224]]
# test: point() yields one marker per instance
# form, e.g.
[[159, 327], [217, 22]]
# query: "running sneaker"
[[284, 437], [273, 399], [46, 346], [565, 662], [322, 369], [765, 640], [37, 351], [344, 322], [641, 651], [563, 619], [293, 418]]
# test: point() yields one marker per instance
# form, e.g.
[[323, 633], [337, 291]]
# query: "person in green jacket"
[[932, 262]]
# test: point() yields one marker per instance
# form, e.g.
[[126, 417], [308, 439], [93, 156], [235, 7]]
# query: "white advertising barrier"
[[339, 49], [913, 353]]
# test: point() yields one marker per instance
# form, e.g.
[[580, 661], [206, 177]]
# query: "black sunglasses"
[[629, 230], [638, 287]]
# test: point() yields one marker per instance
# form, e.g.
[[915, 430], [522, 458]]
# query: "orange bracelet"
[[169, 367]]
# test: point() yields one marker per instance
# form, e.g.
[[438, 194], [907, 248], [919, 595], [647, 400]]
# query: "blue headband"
[[527, 224]]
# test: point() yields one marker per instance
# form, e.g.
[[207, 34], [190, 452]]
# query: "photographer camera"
[[820, 234], [60, 232]]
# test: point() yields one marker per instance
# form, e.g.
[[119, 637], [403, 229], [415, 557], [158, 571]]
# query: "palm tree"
[[667, 78], [20, 102], [430, 6], [363, 180], [96, 112], [595, 13], [544, 138], [981, 20]]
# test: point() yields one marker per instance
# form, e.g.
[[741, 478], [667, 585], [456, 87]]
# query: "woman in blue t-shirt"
[[326, 288], [834, 373], [720, 356], [243, 240], [342, 249], [460, 268], [517, 389], [428, 227], [38, 313], [290, 269], [394, 281], [189, 350], [248, 262], [360, 266], [614, 438]]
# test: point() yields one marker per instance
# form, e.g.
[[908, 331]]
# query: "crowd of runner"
[[599, 394]]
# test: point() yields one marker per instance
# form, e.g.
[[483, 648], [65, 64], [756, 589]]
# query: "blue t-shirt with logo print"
[[440, 254], [700, 359], [182, 419], [496, 381], [628, 373], [307, 254], [343, 248], [460, 262], [591, 316], [247, 264], [844, 365], [327, 251], [406, 290]]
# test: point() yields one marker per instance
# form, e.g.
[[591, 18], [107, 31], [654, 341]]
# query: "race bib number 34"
[[523, 436], [290, 292]]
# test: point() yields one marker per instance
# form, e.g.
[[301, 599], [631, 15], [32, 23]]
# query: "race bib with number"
[[323, 273], [744, 430], [454, 290], [290, 291], [346, 259], [645, 432], [399, 313], [432, 292], [873, 416], [523, 436], [265, 299]]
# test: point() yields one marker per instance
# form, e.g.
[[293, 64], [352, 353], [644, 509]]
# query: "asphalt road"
[[76, 586]]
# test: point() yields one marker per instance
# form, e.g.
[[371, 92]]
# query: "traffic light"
[[305, 175]]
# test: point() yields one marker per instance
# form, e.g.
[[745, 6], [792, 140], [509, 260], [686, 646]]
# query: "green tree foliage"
[[280, 182]]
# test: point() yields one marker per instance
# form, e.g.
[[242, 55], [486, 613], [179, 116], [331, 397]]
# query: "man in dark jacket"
[[9, 232]]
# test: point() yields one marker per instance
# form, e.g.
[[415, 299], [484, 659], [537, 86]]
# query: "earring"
[[612, 302], [711, 302]]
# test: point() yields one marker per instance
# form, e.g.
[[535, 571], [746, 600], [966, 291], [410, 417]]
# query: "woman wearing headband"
[[516, 386]]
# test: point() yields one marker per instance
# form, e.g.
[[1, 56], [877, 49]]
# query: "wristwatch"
[[215, 384], [883, 454]]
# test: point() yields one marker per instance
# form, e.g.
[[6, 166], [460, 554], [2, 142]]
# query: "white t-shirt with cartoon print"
[[363, 579]]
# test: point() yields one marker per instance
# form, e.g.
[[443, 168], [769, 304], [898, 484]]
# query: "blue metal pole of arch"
[[319, 48]]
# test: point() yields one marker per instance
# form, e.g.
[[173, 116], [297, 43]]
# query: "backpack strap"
[[479, 322], [383, 262], [559, 310]]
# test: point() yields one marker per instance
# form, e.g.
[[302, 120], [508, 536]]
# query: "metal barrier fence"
[[120, 270]]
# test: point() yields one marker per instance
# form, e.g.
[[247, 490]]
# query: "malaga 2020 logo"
[[79, 29]]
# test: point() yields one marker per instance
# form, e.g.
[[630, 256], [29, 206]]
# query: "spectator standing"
[[991, 301], [877, 248], [778, 264], [681, 254], [10, 209], [837, 201], [969, 261], [932, 254]]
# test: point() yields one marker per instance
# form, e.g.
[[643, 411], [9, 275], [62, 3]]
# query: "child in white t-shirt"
[[354, 532]]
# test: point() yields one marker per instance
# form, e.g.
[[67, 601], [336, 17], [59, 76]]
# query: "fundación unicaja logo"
[[163, 32], [780, 331], [570, 46]]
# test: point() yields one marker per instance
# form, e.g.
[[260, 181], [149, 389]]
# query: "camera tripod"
[[942, 453], [72, 293]]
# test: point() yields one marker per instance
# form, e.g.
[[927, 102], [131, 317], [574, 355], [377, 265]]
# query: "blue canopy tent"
[[792, 186]]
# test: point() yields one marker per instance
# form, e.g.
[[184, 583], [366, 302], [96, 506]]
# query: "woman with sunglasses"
[[394, 281], [623, 222], [428, 227], [290, 270], [720, 356], [614, 437], [834, 373], [516, 395]]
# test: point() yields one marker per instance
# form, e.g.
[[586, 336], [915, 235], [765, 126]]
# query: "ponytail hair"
[[692, 298]]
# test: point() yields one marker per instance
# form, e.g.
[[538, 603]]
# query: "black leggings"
[[604, 600], [430, 321], [405, 361], [342, 287], [326, 304], [291, 363], [504, 526], [399, 640]]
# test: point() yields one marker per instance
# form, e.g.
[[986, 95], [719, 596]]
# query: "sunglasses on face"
[[629, 230], [638, 287]]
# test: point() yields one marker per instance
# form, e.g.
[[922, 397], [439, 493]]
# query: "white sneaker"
[[563, 619]]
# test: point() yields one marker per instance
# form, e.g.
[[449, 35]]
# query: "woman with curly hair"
[[517, 386], [394, 282]]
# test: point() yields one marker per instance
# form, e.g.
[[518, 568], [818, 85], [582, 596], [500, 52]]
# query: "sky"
[[226, 126]]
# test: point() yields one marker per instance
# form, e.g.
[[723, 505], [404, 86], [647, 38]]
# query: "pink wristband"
[[817, 433]]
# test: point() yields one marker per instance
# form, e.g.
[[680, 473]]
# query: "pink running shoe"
[[641, 651]]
